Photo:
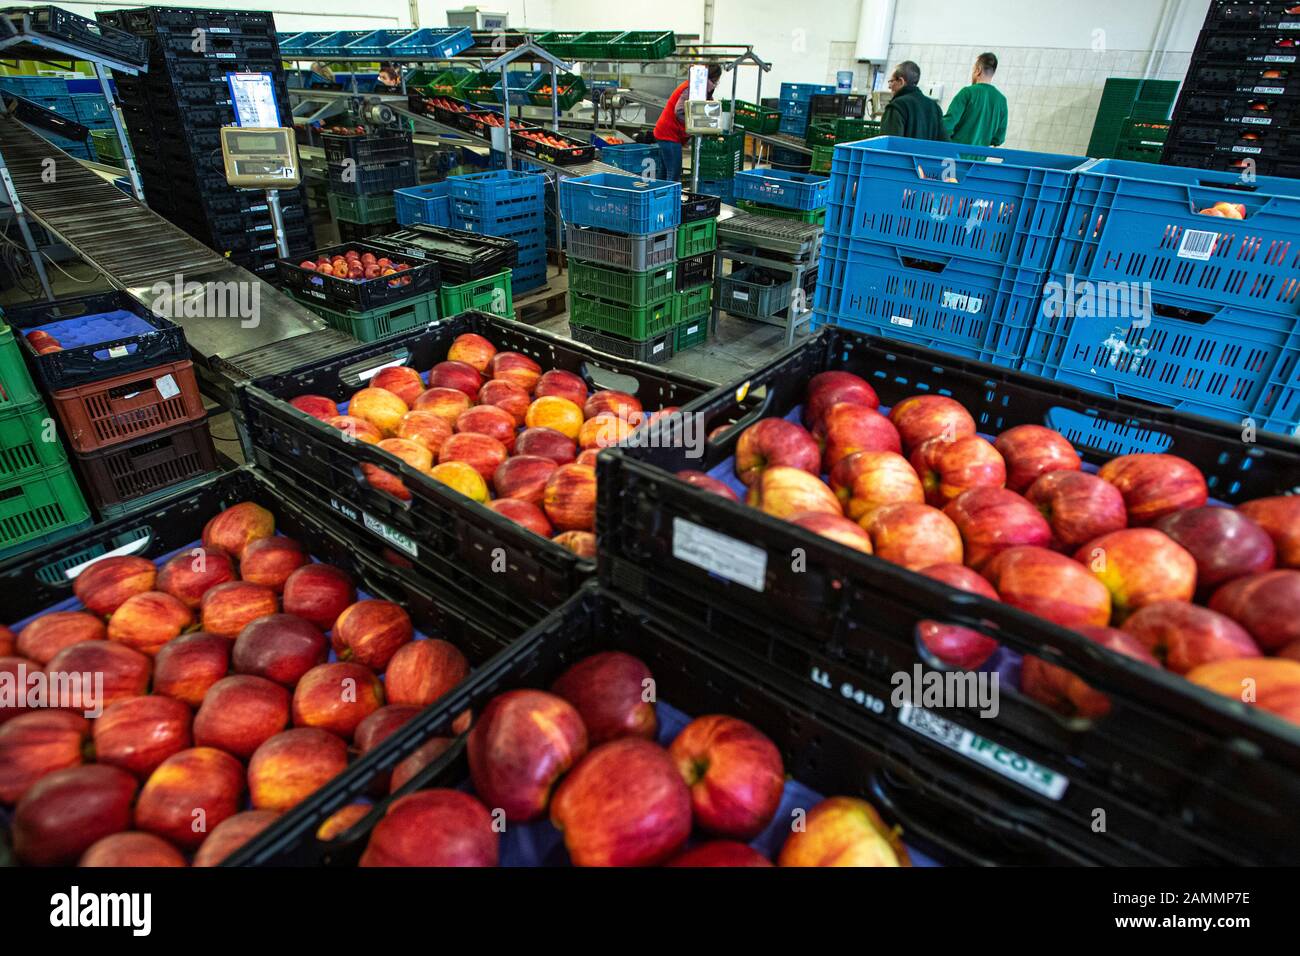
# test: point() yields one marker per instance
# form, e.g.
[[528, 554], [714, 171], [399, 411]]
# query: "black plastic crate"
[[696, 206], [444, 533], [1235, 138], [217, 47], [346, 295], [151, 20], [1186, 776], [1233, 49], [360, 232], [1254, 80], [938, 819], [363, 180], [695, 270], [115, 354], [87, 34], [853, 106], [462, 256], [1271, 16], [1248, 111], [371, 148], [571, 153], [120, 474], [1209, 158]]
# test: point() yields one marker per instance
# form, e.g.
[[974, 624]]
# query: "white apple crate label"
[[692, 330], [1279, 59], [719, 554], [1258, 120], [658, 348], [393, 537], [738, 294], [1254, 150], [1270, 90], [981, 750], [1197, 244], [167, 386], [901, 320]]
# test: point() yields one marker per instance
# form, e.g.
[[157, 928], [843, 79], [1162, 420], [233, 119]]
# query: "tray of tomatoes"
[[551, 147]]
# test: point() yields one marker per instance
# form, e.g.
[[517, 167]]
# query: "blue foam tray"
[[93, 329]]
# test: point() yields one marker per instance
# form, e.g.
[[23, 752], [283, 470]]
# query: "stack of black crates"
[[1240, 106], [174, 114]]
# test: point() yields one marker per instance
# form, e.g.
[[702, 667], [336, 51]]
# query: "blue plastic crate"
[[621, 203], [804, 91], [794, 107], [298, 42], [519, 81], [633, 157], [429, 205], [35, 86], [1139, 222], [375, 43], [782, 187], [1225, 362], [495, 219], [996, 205], [497, 185], [434, 41], [724, 189], [793, 125], [335, 44], [979, 310], [89, 108]]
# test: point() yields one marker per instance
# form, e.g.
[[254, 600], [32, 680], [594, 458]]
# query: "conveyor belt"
[[765, 232]]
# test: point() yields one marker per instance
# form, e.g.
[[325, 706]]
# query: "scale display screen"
[[260, 158]]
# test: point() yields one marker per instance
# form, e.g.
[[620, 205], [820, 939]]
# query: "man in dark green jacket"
[[910, 112], [977, 115]]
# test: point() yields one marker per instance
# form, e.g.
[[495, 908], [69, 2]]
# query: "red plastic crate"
[[126, 407]]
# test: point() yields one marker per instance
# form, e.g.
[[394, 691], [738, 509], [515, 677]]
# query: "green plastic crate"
[[479, 87], [1123, 99], [696, 237], [364, 209], [442, 82], [107, 146], [559, 43], [694, 304], [644, 45], [821, 159], [572, 90], [33, 509], [596, 45], [820, 134], [625, 288], [29, 442], [15, 383], [849, 130], [754, 118], [721, 157], [687, 335], [377, 324], [492, 294], [816, 216], [637, 323]]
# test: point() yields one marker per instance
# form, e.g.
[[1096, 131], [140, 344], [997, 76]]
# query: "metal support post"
[[115, 112], [21, 215], [277, 222]]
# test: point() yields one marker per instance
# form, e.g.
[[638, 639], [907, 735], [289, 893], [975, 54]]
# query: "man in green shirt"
[[977, 115], [910, 112]]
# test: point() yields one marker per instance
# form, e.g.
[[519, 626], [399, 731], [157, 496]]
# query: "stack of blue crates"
[[54, 93], [795, 105], [510, 204]]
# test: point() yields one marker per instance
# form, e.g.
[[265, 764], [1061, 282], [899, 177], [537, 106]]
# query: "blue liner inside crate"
[[1004, 206], [782, 187], [980, 310], [92, 329], [621, 203], [429, 204]]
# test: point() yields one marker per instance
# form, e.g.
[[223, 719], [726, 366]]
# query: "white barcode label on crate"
[[692, 330], [742, 296], [1279, 59], [167, 386], [119, 351], [1254, 150], [1271, 90], [658, 348], [719, 554], [370, 373], [902, 320], [1030, 775], [1258, 120], [393, 537], [1197, 244], [962, 302]]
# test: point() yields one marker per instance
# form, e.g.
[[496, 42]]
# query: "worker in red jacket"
[[670, 130]]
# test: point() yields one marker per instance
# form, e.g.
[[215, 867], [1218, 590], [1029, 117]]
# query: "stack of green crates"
[[721, 157], [1142, 141], [1123, 100], [824, 136], [695, 239], [40, 500]]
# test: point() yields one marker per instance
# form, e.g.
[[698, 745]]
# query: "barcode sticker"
[[389, 534], [1279, 59], [1271, 90], [167, 386], [719, 554], [742, 296], [1258, 120], [1253, 150], [118, 351], [1030, 775], [901, 320], [692, 330], [1197, 244], [658, 348]]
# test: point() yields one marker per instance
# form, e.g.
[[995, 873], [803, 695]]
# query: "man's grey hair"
[[908, 72]]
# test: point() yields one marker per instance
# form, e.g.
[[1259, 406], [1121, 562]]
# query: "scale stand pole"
[[277, 222], [21, 215], [114, 111]]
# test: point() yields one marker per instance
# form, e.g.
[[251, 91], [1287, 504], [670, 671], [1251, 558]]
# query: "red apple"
[[867, 480], [139, 733], [563, 385], [336, 697], [292, 765], [190, 574], [771, 442], [186, 667], [517, 369], [50, 633], [523, 742], [126, 671], [1280, 517], [107, 583], [447, 403], [1139, 566], [483, 453], [228, 608], [1155, 485], [16, 670], [380, 407], [1050, 585], [1031, 451], [356, 429], [605, 430], [506, 396], [231, 834], [1067, 693], [1273, 685], [1265, 605], [189, 794], [419, 758], [706, 483], [319, 593], [458, 375], [132, 849], [581, 543], [947, 468], [422, 671], [425, 428], [8, 641], [845, 430], [235, 528], [36, 744], [589, 456], [557, 414], [523, 477], [472, 349], [1183, 636], [280, 648], [491, 421], [734, 773], [830, 388], [720, 853], [625, 406], [378, 726], [912, 535], [783, 492], [954, 645], [546, 443], [624, 804], [433, 828], [844, 831], [569, 498], [66, 812], [922, 417], [402, 380], [239, 713], [461, 477], [1224, 543], [836, 528], [523, 513], [317, 406], [370, 632], [1078, 507], [145, 622], [993, 519], [613, 693], [270, 561]]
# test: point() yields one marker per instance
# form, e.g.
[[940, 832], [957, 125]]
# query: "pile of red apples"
[[221, 708], [584, 755], [496, 428], [1131, 556], [358, 266]]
